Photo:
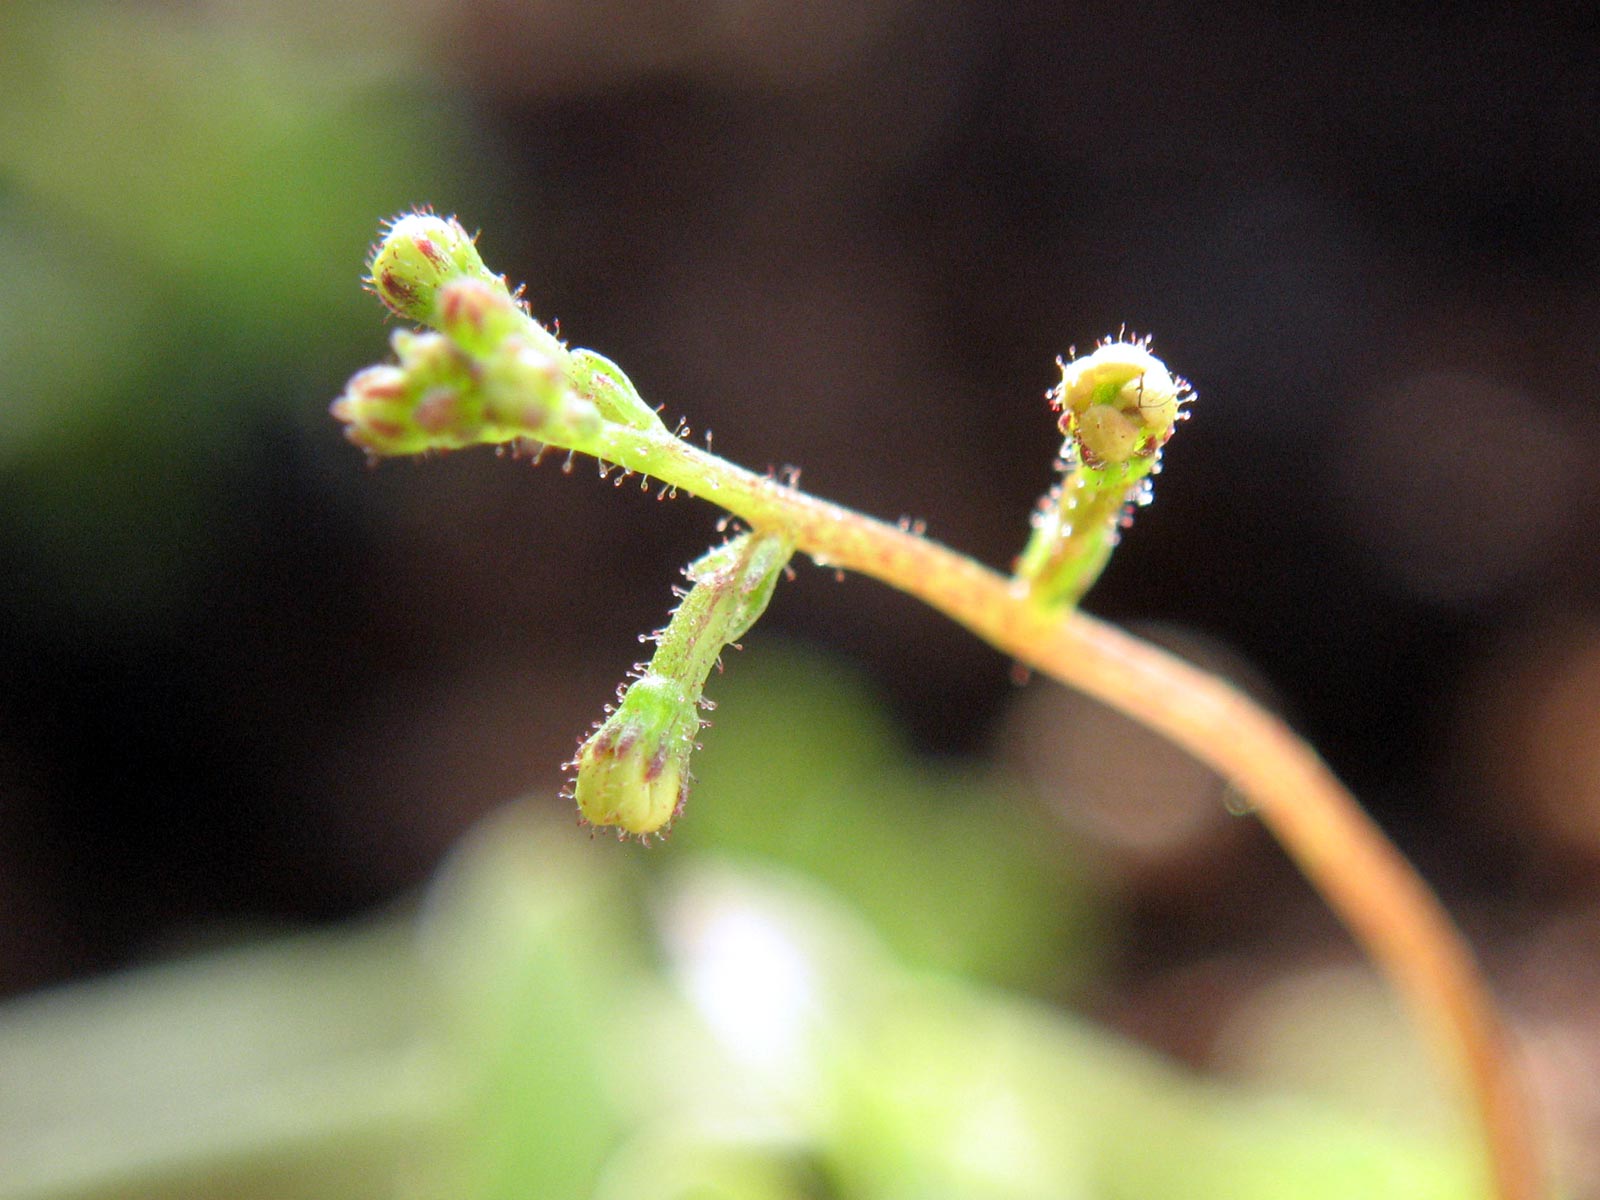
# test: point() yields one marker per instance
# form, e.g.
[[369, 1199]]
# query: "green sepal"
[[600, 381]]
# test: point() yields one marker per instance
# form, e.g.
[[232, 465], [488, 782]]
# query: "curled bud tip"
[[1119, 402], [420, 253]]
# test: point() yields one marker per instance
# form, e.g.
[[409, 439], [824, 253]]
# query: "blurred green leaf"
[[535, 943], [526, 1047], [186, 199], [801, 768], [294, 1070]]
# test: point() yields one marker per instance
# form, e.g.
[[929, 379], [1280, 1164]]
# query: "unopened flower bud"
[[1118, 403], [477, 316], [418, 255], [527, 389], [429, 401], [374, 411], [633, 772]]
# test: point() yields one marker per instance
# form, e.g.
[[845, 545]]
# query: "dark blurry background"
[[248, 680]]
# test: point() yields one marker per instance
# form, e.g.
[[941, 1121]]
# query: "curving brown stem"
[[1357, 870]]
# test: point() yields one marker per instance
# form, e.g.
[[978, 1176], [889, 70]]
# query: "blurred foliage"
[[183, 206], [820, 744], [567, 1018]]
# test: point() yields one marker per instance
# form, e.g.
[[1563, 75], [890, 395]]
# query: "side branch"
[[1366, 881]]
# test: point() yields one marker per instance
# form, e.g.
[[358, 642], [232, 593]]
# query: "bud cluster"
[[490, 373], [438, 397]]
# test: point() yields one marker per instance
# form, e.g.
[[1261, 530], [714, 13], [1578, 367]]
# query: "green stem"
[[1073, 537], [731, 587]]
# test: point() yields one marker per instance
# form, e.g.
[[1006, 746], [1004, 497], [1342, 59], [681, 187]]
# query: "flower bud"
[[633, 772], [420, 253], [1118, 403], [373, 410], [429, 401], [527, 390], [477, 316]]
